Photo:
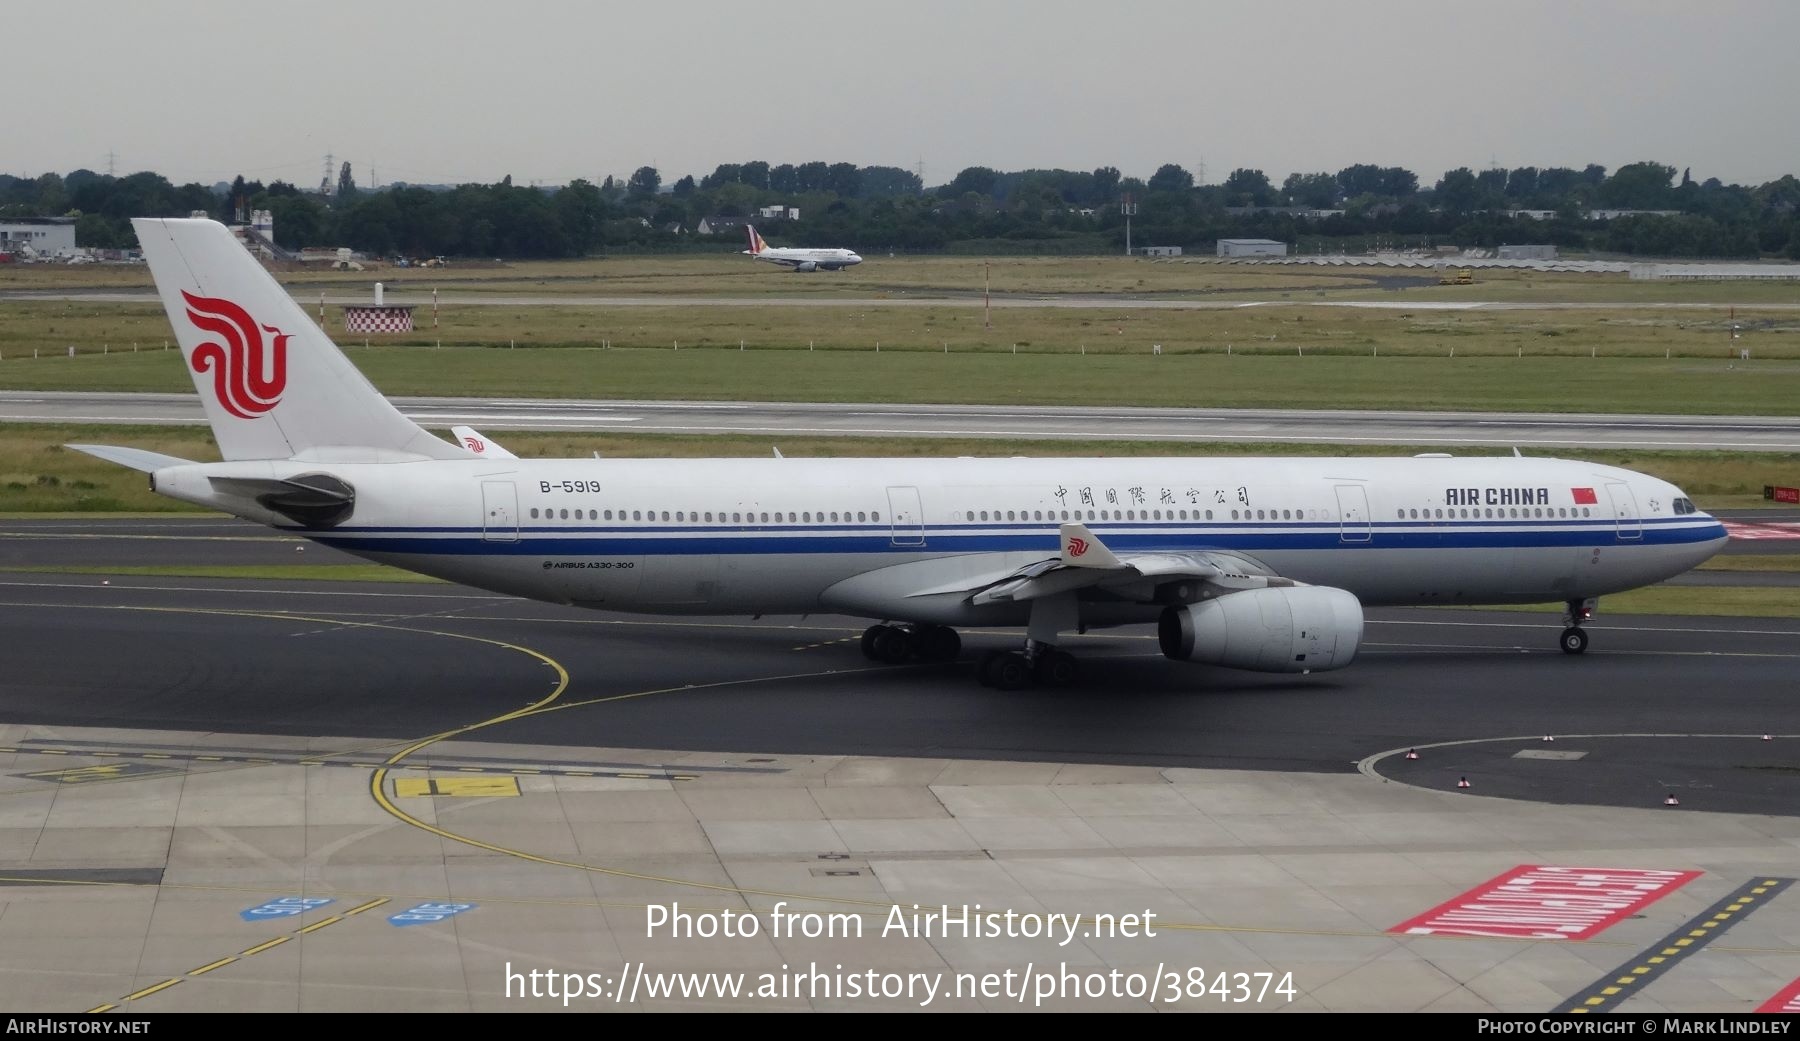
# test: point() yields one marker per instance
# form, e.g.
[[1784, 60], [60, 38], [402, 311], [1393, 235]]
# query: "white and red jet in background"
[[800, 259], [1251, 563]]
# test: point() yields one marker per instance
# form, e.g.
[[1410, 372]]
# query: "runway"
[[1434, 430], [467, 786], [300, 657]]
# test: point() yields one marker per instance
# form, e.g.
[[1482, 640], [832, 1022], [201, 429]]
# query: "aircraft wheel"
[[893, 645], [939, 643], [1011, 671], [869, 636], [1574, 640], [984, 672], [1055, 669]]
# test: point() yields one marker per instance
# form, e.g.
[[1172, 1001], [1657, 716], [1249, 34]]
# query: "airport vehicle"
[[800, 259], [1252, 563], [1459, 277]]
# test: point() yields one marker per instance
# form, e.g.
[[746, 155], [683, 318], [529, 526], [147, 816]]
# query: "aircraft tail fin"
[[273, 384], [757, 245]]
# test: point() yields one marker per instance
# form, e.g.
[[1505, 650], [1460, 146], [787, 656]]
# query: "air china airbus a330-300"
[[1263, 563]]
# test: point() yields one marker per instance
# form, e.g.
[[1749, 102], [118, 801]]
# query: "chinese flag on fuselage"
[[1585, 497]]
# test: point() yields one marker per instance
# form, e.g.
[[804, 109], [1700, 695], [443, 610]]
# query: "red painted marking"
[[1787, 1000], [1584, 496], [1740, 530], [1077, 547], [1542, 902], [248, 374]]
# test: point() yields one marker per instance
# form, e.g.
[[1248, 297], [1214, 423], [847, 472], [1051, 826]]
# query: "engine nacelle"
[[806, 265], [1277, 629]]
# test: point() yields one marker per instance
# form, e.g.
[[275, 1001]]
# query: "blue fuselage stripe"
[[702, 541]]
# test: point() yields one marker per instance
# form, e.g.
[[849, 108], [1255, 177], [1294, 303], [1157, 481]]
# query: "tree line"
[[879, 208]]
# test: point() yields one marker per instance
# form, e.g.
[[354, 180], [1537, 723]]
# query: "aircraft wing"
[[1088, 563]]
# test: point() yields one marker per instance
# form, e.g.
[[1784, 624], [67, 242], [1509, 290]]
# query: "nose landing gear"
[[1574, 638]]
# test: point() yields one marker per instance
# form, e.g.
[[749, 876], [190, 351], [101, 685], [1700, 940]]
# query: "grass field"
[[1638, 356], [1634, 385]]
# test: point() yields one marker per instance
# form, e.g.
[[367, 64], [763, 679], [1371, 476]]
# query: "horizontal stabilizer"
[[135, 458]]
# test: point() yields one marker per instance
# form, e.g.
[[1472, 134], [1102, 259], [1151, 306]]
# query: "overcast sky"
[[548, 90]]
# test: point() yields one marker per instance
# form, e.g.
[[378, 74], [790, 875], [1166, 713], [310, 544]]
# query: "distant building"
[[778, 213], [1612, 214], [1252, 248], [44, 236], [1543, 252], [1533, 214], [720, 225], [1161, 251]]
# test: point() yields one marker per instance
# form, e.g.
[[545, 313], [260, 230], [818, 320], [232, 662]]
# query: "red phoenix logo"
[[248, 376], [475, 444], [1077, 547]]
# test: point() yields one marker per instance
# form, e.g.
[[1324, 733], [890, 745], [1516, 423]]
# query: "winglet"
[[1082, 548], [480, 444]]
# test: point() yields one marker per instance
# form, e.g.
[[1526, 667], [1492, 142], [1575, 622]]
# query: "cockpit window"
[[1684, 505]]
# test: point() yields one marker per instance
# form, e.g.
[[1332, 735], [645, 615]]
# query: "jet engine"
[[807, 265], [1276, 629]]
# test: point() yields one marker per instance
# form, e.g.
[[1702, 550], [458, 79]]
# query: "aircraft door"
[[499, 511], [1625, 511], [1353, 513], [908, 520]]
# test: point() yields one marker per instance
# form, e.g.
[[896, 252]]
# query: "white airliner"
[[800, 259], [1251, 563]]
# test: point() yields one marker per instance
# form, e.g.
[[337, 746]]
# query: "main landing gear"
[[896, 644], [1041, 664], [1038, 663], [1574, 638]]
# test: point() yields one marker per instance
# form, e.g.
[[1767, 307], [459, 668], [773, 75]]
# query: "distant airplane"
[[1251, 563], [800, 259]]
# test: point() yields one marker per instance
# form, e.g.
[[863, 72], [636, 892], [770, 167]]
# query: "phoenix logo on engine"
[[248, 374]]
